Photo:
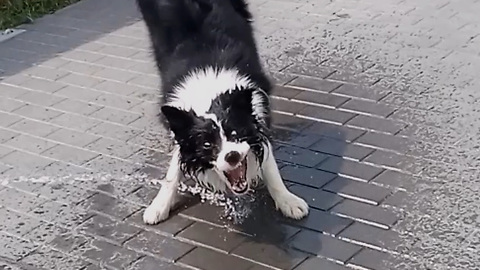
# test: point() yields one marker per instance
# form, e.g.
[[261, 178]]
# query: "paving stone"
[[172, 226], [349, 168], [366, 234], [115, 115], [150, 263], [77, 106], [8, 119], [326, 114], [395, 179], [116, 88], [115, 131], [314, 84], [14, 248], [33, 127], [37, 112], [25, 164], [342, 149], [44, 233], [323, 245], [64, 153], [315, 197], [16, 223], [354, 90], [75, 121], [294, 138], [306, 176], [47, 258], [30, 144], [43, 85], [22, 201], [8, 105], [314, 263], [161, 246], [68, 241], [206, 212], [309, 70], [320, 98], [109, 229], [368, 107], [357, 190], [321, 221], [118, 188], [372, 259], [341, 133], [10, 91], [299, 156], [286, 105], [212, 236], [109, 205], [107, 254], [116, 101], [376, 124], [71, 137], [285, 92], [203, 258], [80, 80], [78, 93], [290, 122], [366, 212], [395, 161], [63, 192], [40, 98]]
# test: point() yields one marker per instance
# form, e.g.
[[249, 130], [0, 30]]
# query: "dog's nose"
[[233, 158]]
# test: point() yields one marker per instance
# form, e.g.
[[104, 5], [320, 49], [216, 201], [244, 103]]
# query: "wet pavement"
[[377, 127]]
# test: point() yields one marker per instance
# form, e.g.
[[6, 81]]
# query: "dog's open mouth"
[[238, 178]]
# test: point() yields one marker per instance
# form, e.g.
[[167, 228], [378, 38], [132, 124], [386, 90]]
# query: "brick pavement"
[[375, 121]]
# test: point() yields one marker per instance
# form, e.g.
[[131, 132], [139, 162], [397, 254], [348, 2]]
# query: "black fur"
[[187, 35]]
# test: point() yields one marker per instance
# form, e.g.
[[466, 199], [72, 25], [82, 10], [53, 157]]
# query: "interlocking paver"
[[358, 190], [349, 168], [71, 137], [314, 84], [212, 236], [109, 205], [208, 259], [107, 228], [106, 253], [161, 246], [306, 176], [48, 258], [323, 222], [327, 246], [318, 263], [16, 223]]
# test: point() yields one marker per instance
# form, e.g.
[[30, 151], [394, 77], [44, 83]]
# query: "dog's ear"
[[179, 120]]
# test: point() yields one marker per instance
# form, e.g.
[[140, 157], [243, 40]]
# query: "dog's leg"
[[160, 207], [289, 204]]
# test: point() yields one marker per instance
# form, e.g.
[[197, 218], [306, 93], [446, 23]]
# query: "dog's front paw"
[[291, 205], [156, 213]]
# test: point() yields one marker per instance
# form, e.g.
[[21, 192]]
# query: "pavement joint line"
[[69, 145], [83, 101], [76, 130]]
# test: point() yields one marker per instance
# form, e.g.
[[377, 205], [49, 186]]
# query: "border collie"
[[215, 102]]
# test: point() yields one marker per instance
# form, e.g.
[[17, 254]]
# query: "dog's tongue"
[[236, 174]]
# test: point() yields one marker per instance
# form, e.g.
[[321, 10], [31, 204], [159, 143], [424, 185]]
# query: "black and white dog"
[[215, 101]]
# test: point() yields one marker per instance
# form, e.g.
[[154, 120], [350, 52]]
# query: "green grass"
[[15, 12]]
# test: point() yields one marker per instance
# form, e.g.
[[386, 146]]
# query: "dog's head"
[[225, 138]]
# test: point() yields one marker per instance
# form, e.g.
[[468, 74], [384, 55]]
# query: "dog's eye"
[[207, 145], [234, 133]]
